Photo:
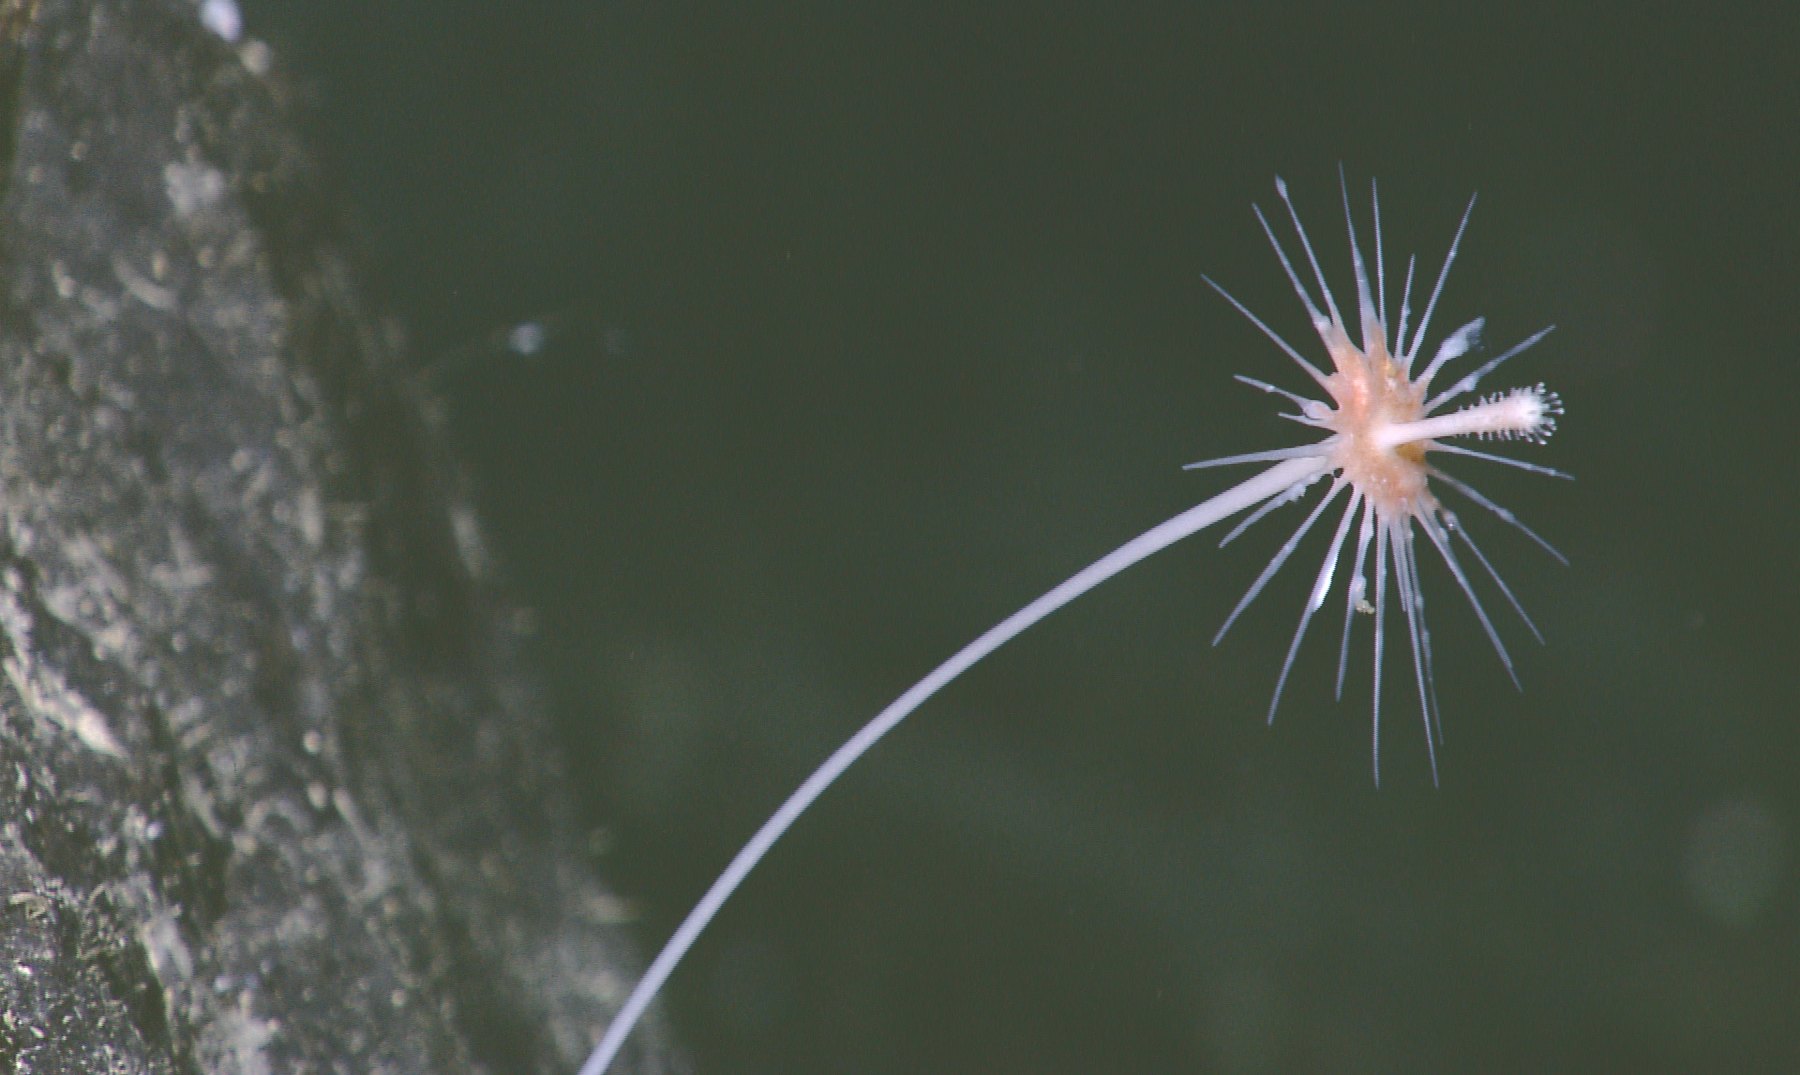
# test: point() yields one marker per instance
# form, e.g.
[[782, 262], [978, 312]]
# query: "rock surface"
[[277, 791]]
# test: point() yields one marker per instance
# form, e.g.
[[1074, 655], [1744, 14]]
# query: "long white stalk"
[[1278, 479]]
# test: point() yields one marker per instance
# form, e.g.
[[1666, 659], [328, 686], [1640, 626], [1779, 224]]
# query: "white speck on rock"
[[45, 694], [192, 187], [223, 18]]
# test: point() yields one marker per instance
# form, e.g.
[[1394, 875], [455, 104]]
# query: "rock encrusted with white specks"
[[275, 794]]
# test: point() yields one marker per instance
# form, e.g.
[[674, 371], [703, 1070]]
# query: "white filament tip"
[[1537, 409]]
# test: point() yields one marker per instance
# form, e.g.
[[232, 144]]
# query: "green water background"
[[871, 324]]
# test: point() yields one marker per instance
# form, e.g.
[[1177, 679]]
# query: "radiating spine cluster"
[[1381, 424]]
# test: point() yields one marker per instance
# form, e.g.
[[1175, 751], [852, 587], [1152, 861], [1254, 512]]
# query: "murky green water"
[[871, 327]]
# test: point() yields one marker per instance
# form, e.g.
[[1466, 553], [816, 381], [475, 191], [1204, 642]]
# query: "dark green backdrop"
[[870, 327]]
